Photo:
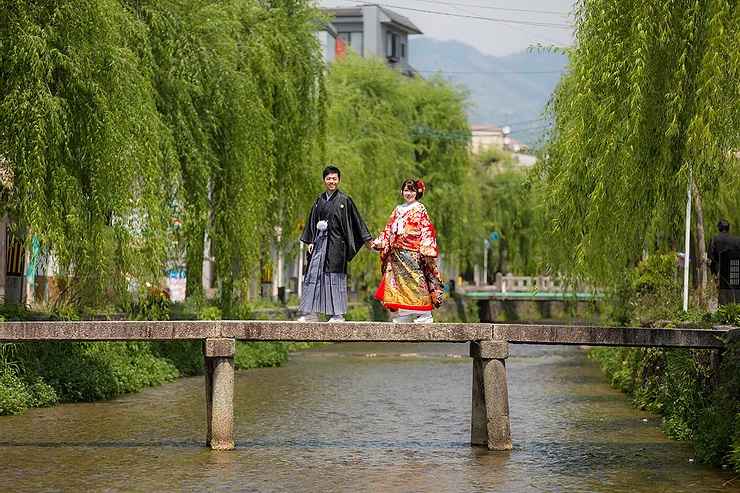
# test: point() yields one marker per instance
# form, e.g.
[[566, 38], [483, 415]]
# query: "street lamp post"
[[486, 244]]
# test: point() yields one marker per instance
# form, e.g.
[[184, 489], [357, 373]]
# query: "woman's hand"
[[376, 244]]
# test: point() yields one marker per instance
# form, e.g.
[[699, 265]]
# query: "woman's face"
[[409, 195]]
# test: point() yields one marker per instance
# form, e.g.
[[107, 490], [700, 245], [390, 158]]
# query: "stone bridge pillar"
[[489, 424], [219, 363]]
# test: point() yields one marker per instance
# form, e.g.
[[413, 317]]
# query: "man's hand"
[[310, 248]]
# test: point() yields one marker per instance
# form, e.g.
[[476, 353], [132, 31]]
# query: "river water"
[[360, 417]]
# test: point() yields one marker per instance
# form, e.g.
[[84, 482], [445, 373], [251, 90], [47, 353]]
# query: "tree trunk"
[[701, 244], [194, 262], [503, 260], [4, 244]]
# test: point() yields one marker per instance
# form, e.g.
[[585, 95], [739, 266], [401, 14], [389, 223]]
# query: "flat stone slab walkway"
[[259, 330]]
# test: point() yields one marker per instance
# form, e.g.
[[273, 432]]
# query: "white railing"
[[510, 283]]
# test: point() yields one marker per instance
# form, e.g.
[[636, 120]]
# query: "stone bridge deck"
[[248, 330], [489, 348]]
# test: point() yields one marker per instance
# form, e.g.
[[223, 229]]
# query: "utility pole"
[[686, 247], [300, 269]]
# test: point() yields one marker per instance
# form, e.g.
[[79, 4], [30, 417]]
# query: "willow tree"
[[238, 83], [441, 135], [650, 102], [368, 137], [509, 208], [83, 138], [382, 128]]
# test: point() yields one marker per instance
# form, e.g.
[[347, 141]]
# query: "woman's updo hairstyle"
[[415, 185]]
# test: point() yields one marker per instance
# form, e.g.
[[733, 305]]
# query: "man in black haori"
[[334, 233], [724, 262]]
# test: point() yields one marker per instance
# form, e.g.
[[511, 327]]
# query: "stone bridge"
[[489, 348]]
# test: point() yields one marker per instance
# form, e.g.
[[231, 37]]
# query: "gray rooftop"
[[393, 16]]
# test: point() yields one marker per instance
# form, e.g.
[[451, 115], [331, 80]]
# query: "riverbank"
[[697, 392]]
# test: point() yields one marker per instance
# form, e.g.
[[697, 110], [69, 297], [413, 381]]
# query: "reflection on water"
[[369, 417]]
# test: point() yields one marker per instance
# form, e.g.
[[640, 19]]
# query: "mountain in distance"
[[501, 92]]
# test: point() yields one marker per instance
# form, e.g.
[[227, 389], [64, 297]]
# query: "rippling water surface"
[[360, 417]]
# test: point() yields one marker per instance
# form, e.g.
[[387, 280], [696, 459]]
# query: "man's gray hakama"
[[323, 292]]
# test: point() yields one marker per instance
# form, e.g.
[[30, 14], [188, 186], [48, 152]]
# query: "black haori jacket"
[[347, 231]]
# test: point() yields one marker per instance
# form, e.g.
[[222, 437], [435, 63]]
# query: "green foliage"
[[127, 119], [242, 311], [93, 371], [209, 313], [649, 292], [724, 203], [656, 288], [186, 356], [12, 313], [509, 207], [442, 160], [260, 354], [717, 430], [153, 304], [83, 140], [383, 128], [735, 455], [238, 84], [359, 313], [656, 274], [141, 132], [14, 395], [41, 393], [727, 315], [651, 99]]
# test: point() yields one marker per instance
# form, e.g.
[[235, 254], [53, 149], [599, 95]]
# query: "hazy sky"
[[490, 37]]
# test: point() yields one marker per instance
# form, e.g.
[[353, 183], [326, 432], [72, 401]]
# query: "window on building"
[[392, 42], [353, 40]]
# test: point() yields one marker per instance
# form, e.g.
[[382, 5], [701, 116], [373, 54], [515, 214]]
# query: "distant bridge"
[[508, 292], [489, 348]]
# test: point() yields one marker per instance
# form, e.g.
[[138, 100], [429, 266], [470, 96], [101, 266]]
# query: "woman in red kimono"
[[411, 283]]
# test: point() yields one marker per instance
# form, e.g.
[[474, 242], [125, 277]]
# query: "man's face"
[[331, 181]]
